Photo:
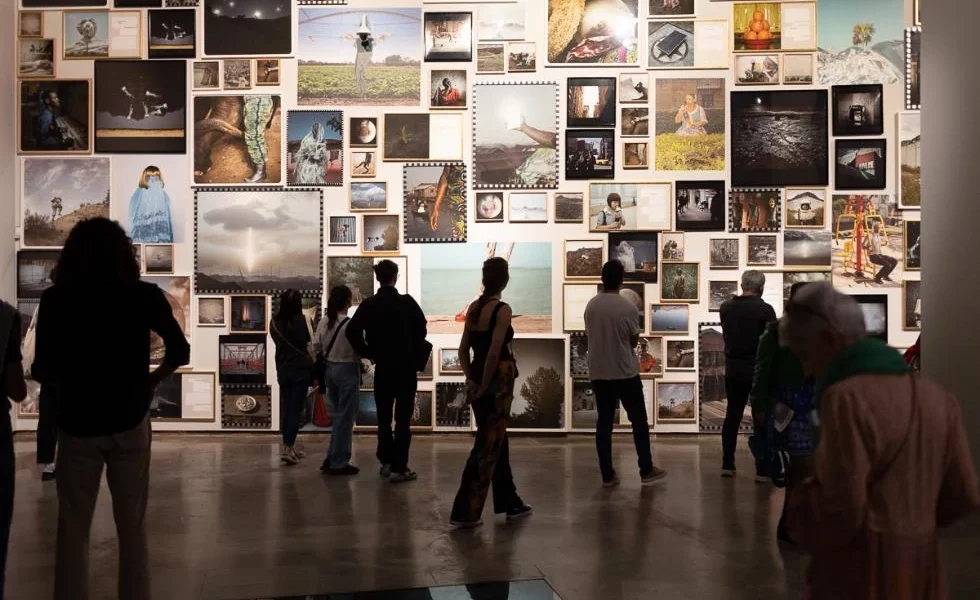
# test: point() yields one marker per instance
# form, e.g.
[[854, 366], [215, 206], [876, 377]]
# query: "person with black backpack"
[[389, 328]]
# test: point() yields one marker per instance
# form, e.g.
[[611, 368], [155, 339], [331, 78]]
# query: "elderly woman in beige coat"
[[891, 467]]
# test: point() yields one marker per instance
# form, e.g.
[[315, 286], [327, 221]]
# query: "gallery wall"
[[441, 265]]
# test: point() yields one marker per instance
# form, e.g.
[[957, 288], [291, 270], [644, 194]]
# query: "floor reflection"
[[499, 590]]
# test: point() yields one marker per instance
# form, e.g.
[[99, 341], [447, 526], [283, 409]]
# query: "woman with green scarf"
[[892, 463]]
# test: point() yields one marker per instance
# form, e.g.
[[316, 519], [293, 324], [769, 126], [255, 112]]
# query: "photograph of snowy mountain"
[[860, 42]]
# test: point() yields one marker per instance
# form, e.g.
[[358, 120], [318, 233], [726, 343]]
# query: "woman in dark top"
[[92, 346], [294, 368], [490, 379]]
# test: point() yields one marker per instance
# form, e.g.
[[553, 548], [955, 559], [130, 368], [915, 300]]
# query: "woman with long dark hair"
[[93, 348], [490, 375], [342, 378], [294, 368]]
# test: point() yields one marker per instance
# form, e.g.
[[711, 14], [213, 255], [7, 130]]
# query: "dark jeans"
[[394, 395], [292, 399], [47, 425], [6, 491], [608, 394], [737, 388], [886, 263]]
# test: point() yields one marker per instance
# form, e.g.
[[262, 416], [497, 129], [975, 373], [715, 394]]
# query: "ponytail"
[[338, 300]]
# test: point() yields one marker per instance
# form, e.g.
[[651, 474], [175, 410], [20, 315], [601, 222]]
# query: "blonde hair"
[[148, 172]]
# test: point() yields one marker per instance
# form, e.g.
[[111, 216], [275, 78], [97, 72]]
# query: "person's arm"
[[14, 386], [318, 341], [355, 331], [679, 117], [960, 491], [496, 346], [541, 138], [465, 360], [759, 397], [441, 191], [178, 351]]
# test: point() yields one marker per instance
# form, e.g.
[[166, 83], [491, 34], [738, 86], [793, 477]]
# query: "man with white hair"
[[891, 467], [743, 321]]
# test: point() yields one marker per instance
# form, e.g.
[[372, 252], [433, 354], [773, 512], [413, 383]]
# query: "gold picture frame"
[[362, 186], [394, 224], [84, 25], [586, 244]]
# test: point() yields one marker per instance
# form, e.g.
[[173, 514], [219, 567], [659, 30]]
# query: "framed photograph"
[[911, 305], [422, 136], [497, 22], [185, 396], [448, 36], [672, 246], [637, 252], [797, 69], [343, 230], [636, 294], [54, 117], [680, 282], [211, 311], [679, 355], [670, 319], [380, 235], [569, 207], [59, 3], [369, 196], [364, 132], [491, 58], [860, 43], [670, 8], [30, 24], [688, 44], [764, 154], [762, 251], [590, 154], [858, 110], [578, 355], [584, 259], [573, 31], [176, 291], [913, 245], [255, 158], [172, 33], [58, 192], [913, 66], [634, 88], [881, 252], [575, 297], [434, 202], [314, 147], [515, 130], [91, 34], [246, 407], [267, 30], [629, 206], [636, 155], [447, 89], [136, 3], [249, 314], [34, 268], [807, 248], [528, 207], [860, 164], [650, 354], [723, 253], [522, 57], [36, 58], [238, 74], [791, 277], [677, 402], [719, 292], [634, 121], [909, 165], [452, 409], [206, 75], [138, 255], [690, 124], [875, 309], [591, 102], [805, 208], [449, 362], [140, 106], [267, 71], [699, 205], [363, 163], [754, 209], [767, 26], [426, 373], [158, 259], [712, 395], [757, 69], [489, 207]]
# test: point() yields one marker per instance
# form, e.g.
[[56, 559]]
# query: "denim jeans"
[[343, 382], [292, 399], [608, 394]]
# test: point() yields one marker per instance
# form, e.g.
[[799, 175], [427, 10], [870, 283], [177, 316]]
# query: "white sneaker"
[[386, 471], [288, 456], [403, 477]]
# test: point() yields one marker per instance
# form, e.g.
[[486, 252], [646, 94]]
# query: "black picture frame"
[[34, 268], [241, 357], [137, 3], [881, 300], [590, 154], [645, 250], [445, 21], [710, 205], [606, 99], [64, 3], [860, 164], [227, 35], [171, 33], [150, 115], [779, 138], [858, 110]]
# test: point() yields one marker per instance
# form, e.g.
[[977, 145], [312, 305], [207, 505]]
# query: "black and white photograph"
[[363, 132], [158, 259], [55, 117], [634, 121], [671, 44], [757, 69], [754, 209], [670, 8], [634, 87], [578, 355], [172, 33], [94, 34], [912, 305], [858, 110], [206, 75], [585, 413], [211, 311], [500, 22], [797, 69], [569, 207], [343, 230], [237, 74], [591, 102], [584, 259], [246, 407], [248, 27], [527, 207], [522, 57], [489, 207], [860, 164], [913, 247], [875, 310], [539, 390], [141, 106], [807, 248], [590, 154], [791, 277], [699, 205], [913, 67], [637, 251], [762, 251], [448, 36], [672, 246], [34, 269], [779, 138], [723, 253], [719, 292], [452, 408], [449, 362], [805, 208], [679, 355], [36, 58]]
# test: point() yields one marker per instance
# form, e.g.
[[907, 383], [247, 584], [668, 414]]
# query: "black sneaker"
[[655, 474], [47, 476], [348, 470], [520, 512], [465, 524], [728, 471]]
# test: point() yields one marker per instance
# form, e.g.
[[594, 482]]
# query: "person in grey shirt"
[[613, 329]]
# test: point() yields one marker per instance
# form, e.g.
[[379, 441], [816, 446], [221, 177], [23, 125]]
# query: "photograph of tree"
[[539, 391], [860, 42]]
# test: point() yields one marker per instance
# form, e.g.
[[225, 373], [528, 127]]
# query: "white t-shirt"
[[610, 322]]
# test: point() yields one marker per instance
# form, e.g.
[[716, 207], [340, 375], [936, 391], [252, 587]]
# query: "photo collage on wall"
[[251, 149]]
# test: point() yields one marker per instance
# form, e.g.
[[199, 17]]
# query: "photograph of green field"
[[335, 85]]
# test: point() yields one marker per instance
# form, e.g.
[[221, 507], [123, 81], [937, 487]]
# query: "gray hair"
[[817, 307], [753, 281]]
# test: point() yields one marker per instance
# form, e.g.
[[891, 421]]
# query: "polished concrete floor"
[[227, 522]]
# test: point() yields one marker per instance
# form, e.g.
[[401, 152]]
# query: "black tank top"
[[480, 342]]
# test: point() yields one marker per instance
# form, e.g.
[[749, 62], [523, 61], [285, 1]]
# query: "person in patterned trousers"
[[258, 113]]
